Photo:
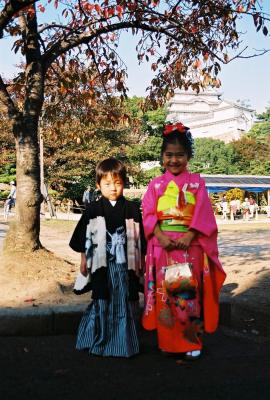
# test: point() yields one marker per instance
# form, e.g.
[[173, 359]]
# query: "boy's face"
[[111, 187]]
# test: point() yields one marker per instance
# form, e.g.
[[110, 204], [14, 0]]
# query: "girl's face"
[[111, 186], [175, 158]]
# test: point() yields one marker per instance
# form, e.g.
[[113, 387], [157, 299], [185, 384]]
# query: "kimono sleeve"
[[203, 219], [78, 238], [142, 235], [149, 205]]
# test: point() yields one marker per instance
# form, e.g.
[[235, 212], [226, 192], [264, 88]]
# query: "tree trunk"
[[27, 226]]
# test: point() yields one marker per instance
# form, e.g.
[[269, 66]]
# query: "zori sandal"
[[193, 355]]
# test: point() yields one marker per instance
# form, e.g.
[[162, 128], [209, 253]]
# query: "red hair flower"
[[174, 127]]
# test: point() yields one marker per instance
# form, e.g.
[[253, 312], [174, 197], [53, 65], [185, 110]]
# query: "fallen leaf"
[[181, 362]]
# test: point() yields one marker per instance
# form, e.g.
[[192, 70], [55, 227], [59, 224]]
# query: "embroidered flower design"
[[194, 185]]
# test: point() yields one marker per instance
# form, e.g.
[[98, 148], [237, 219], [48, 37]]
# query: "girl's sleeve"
[[203, 219], [149, 210], [77, 241]]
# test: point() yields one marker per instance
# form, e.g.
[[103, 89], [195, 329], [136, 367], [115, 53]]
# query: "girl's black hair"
[[183, 138], [110, 166]]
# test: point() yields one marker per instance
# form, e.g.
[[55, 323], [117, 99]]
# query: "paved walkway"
[[49, 367]]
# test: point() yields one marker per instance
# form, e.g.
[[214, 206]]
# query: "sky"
[[243, 79]]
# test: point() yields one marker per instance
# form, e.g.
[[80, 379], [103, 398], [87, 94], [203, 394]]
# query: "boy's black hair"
[[183, 138], [110, 166]]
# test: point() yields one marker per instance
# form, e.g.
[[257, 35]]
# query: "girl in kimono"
[[109, 237], [181, 231]]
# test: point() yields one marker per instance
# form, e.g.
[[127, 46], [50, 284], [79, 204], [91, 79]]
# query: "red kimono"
[[178, 203]]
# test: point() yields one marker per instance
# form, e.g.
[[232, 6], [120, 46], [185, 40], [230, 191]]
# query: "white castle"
[[207, 115]]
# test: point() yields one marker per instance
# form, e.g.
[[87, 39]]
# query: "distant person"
[[88, 196], [233, 209], [252, 206], [245, 208], [238, 205], [224, 207], [110, 238], [11, 199]]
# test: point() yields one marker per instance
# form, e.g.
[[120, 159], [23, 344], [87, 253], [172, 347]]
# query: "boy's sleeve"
[[142, 235], [78, 238]]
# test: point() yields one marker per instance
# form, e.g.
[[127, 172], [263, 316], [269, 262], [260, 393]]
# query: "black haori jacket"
[[100, 220]]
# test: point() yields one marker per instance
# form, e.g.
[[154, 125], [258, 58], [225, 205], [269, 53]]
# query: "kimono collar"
[[120, 200], [177, 178]]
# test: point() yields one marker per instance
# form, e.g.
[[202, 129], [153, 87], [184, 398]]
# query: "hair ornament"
[[182, 130], [169, 128]]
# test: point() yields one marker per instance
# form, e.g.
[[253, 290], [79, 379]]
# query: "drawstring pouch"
[[179, 279]]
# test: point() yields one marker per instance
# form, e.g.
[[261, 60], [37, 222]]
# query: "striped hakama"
[[108, 327]]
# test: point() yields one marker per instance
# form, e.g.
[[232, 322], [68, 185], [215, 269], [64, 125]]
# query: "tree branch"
[[70, 42], [98, 71], [11, 8], [54, 26], [6, 100], [34, 69]]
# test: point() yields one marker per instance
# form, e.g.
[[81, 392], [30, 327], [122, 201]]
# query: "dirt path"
[[55, 237], [244, 252]]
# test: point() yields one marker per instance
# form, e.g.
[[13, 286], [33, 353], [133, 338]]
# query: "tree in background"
[[189, 42], [147, 144], [235, 194], [253, 149], [7, 154], [79, 130], [213, 156]]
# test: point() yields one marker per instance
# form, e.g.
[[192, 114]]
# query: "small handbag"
[[179, 279]]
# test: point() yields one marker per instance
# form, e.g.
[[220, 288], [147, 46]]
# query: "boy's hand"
[[83, 266]]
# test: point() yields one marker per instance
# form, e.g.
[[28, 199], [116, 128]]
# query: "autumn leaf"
[[226, 57], [197, 64], [97, 8], [206, 56], [240, 8], [119, 10], [41, 8]]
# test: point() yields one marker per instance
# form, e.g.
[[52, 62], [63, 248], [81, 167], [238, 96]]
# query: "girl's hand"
[[166, 242], [183, 242], [83, 266]]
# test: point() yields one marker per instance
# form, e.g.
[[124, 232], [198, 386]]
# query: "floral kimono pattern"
[[179, 203]]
